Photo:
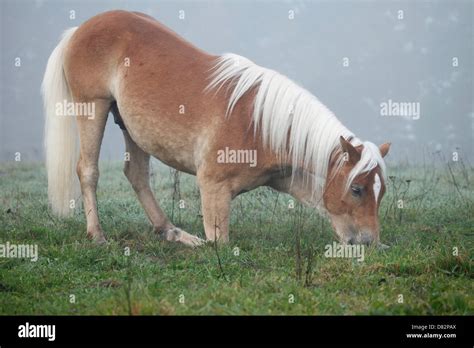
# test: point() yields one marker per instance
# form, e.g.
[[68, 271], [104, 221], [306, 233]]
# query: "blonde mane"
[[291, 120]]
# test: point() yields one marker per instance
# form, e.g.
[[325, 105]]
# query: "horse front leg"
[[215, 201]]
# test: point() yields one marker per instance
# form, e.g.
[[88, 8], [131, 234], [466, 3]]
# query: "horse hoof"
[[98, 238], [176, 234], [189, 239], [192, 241]]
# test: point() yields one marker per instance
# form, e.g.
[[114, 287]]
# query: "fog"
[[357, 57]]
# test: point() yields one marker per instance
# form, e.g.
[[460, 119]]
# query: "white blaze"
[[377, 186]]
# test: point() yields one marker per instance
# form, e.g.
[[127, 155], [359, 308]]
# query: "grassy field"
[[274, 264]]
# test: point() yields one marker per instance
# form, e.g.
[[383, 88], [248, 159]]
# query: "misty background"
[[402, 51]]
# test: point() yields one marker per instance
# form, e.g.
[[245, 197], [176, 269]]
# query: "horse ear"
[[384, 149], [354, 155]]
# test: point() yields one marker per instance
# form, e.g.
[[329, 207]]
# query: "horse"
[[184, 106]]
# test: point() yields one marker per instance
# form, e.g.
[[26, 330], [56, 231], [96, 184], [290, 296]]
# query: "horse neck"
[[300, 186]]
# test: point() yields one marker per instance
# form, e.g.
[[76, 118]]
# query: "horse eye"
[[356, 190]]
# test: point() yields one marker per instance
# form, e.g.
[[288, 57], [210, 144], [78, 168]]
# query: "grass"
[[274, 263]]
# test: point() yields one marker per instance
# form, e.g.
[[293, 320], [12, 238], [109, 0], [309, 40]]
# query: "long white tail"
[[60, 134]]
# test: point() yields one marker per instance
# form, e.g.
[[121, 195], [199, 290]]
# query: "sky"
[[397, 71]]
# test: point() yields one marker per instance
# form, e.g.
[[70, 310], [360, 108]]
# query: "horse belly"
[[153, 134], [165, 110]]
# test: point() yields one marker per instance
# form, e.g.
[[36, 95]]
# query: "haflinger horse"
[[184, 106]]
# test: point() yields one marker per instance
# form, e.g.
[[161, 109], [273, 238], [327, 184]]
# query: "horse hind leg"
[[136, 169], [91, 131]]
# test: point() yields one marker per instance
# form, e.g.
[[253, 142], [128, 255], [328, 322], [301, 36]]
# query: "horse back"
[[157, 81]]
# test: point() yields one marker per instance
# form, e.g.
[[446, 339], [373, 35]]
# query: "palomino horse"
[[200, 114]]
